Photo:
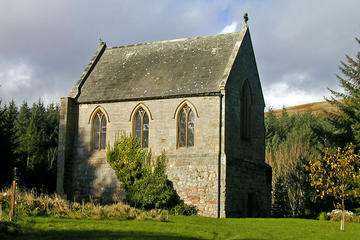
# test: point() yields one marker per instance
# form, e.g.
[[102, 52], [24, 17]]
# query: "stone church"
[[199, 99]]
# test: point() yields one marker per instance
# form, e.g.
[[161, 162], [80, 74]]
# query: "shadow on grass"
[[96, 234], [15, 232]]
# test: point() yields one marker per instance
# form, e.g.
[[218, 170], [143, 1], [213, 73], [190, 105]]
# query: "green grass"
[[181, 227]]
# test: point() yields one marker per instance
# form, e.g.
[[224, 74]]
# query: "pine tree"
[[280, 206], [23, 136], [37, 128], [52, 132], [8, 115], [346, 122]]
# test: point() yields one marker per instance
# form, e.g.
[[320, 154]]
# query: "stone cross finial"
[[246, 18]]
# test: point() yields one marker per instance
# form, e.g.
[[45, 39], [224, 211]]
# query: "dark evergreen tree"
[[280, 206], [42, 147], [23, 140], [28, 141], [37, 136], [8, 115], [52, 133], [346, 122]]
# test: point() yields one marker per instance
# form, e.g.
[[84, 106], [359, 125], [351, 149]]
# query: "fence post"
[[12, 211], [13, 201]]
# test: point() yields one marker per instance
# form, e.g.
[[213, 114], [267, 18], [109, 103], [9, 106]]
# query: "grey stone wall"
[[248, 186], [244, 68], [193, 170], [248, 189], [67, 130]]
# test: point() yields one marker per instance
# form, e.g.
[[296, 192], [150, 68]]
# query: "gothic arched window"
[[186, 120], [99, 131], [141, 127], [246, 110]]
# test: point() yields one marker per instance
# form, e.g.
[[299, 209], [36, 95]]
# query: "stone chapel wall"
[[192, 170]]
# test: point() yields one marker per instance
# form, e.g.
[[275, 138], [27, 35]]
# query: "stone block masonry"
[[192, 170]]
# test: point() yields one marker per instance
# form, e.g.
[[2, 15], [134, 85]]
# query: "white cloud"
[[230, 28], [295, 88], [286, 91], [282, 94], [14, 78]]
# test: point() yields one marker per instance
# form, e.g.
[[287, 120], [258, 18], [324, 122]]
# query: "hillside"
[[317, 108]]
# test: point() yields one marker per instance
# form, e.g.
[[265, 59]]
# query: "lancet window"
[[246, 111], [141, 127], [186, 122], [99, 131]]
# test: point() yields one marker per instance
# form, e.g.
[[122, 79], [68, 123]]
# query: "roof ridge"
[[172, 40]]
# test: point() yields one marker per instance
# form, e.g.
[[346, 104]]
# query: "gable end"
[[75, 92]]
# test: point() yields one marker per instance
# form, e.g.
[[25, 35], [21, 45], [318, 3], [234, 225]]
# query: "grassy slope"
[[316, 108], [180, 227]]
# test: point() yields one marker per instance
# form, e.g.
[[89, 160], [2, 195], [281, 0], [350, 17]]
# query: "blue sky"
[[45, 45]]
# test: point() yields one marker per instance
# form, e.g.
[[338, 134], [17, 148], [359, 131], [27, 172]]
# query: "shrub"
[[144, 180], [357, 211], [129, 161], [335, 215], [323, 216], [150, 192], [28, 203], [183, 209]]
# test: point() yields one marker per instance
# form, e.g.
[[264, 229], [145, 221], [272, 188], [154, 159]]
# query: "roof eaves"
[[204, 94]]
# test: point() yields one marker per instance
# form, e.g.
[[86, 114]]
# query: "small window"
[[186, 122], [245, 111], [141, 127], [99, 131]]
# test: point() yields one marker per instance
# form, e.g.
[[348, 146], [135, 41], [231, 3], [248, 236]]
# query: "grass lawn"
[[181, 227]]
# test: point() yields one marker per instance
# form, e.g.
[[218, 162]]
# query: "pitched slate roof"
[[182, 67]]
